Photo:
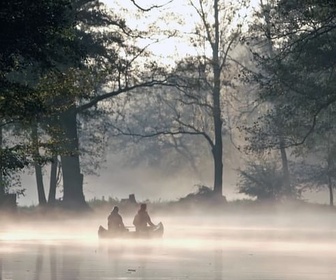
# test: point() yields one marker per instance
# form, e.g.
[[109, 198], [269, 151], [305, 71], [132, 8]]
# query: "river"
[[235, 248]]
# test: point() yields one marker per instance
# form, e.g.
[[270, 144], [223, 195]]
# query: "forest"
[[248, 88]]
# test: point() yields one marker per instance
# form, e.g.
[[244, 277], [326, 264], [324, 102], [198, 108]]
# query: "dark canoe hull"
[[157, 232]]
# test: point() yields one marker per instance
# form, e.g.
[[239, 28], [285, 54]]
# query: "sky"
[[182, 16], [166, 48]]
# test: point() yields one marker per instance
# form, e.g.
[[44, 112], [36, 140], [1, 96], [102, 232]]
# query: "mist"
[[167, 140], [146, 183], [194, 246]]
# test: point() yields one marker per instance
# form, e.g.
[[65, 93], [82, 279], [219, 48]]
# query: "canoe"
[[155, 232]]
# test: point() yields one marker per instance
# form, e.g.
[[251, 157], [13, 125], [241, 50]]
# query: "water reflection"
[[1, 268], [115, 257], [43, 253], [209, 253], [59, 261], [218, 263], [53, 262], [39, 262], [72, 256]]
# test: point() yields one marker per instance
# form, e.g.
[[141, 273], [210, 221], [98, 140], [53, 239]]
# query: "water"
[[224, 250]]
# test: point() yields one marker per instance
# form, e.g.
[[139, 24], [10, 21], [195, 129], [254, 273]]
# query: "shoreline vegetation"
[[201, 203]]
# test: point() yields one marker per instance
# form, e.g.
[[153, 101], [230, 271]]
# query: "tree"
[[34, 36], [146, 133], [86, 59], [113, 69], [262, 181], [204, 82], [262, 44], [301, 67], [319, 151], [296, 33]]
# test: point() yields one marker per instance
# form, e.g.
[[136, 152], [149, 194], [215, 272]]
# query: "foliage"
[[291, 42], [11, 183], [203, 193], [35, 38], [76, 56], [299, 76], [263, 181]]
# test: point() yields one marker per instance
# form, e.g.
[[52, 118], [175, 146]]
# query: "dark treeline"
[[257, 100]]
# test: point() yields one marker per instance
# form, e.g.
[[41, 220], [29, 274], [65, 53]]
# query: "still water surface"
[[208, 251]]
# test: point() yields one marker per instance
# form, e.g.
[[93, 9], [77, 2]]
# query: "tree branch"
[[150, 8], [94, 101]]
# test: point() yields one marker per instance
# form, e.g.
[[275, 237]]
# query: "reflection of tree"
[[39, 263], [53, 262], [0, 268], [218, 256], [70, 263], [69, 268]]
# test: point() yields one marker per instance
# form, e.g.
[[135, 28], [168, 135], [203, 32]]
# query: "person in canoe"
[[115, 222], [142, 221]]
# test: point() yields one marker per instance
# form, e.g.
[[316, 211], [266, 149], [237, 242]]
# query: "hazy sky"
[[182, 17]]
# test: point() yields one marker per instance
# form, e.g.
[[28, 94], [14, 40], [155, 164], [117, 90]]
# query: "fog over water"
[[226, 247]]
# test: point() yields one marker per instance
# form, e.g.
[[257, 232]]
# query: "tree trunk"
[[218, 171], [285, 169], [53, 181], [331, 192], [284, 160], [2, 183], [217, 150], [38, 168], [72, 178]]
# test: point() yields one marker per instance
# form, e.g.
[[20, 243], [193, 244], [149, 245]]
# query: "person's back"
[[114, 221], [142, 219]]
